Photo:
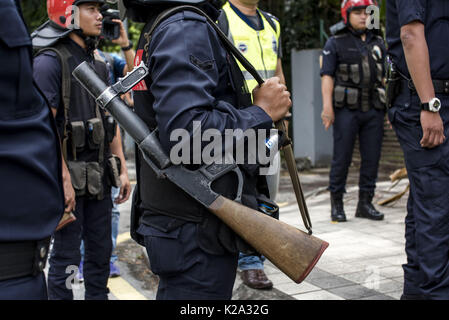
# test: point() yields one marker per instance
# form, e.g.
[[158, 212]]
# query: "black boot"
[[337, 211], [365, 208]]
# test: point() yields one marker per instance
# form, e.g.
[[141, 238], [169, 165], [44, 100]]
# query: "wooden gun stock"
[[293, 251]]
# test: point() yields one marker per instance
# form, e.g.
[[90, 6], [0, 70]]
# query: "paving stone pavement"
[[364, 258]]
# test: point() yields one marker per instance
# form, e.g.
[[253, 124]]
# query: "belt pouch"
[[339, 96], [392, 90], [114, 165], [95, 133], [94, 174], [355, 73], [343, 72], [78, 135], [78, 174], [352, 98]]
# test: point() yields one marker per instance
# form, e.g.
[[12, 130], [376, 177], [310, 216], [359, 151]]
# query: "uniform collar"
[[210, 10], [245, 18], [369, 35]]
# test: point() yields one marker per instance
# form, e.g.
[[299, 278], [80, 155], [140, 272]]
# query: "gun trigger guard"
[[214, 171], [238, 197]]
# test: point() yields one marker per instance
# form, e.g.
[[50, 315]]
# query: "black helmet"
[[140, 10]]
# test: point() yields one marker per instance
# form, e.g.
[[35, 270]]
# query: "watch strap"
[[129, 47], [425, 106]]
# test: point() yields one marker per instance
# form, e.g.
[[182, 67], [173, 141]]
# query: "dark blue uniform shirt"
[[435, 15], [31, 196], [82, 107], [48, 72], [191, 82], [330, 57]]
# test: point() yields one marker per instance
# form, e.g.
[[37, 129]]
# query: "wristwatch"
[[129, 47], [433, 105]]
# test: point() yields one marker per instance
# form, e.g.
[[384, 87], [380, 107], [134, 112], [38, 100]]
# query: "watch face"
[[435, 105]]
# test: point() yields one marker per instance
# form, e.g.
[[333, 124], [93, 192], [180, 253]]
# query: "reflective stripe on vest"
[[259, 47]]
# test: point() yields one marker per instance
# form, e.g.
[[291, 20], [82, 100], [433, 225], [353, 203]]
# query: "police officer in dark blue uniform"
[[89, 139], [31, 192], [418, 96], [352, 71], [193, 78]]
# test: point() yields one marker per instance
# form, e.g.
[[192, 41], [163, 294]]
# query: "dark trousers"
[[426, 272], [369, 127], [24, 288], [185, 271], [93, 225]]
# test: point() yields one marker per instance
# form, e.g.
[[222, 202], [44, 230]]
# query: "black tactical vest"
[[82, 124], [358, 79], [163, 205]]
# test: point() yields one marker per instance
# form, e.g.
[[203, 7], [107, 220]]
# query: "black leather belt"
[[24, 258], [440, 86]]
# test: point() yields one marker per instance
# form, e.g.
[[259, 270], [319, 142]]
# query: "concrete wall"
[[310, 140]]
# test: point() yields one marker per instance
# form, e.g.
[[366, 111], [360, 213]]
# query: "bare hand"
[[69, 192], [272, 96], [127, 98], [123, 40], [328, 117], [125, 189], [433, 129], [389, 124]]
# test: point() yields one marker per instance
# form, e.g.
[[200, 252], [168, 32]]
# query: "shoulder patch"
[[203, 65]]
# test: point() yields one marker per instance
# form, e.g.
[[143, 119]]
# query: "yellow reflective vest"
[[260, 47]]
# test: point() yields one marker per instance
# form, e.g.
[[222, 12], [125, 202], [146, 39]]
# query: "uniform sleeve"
[[329, 58], [184, 72], [410, 10], [47, 74]]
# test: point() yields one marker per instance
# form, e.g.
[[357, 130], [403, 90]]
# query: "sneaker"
[[80, 275], [114, 271]]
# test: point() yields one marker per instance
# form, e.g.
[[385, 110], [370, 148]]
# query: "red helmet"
[[60, 10], [348, 5]]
